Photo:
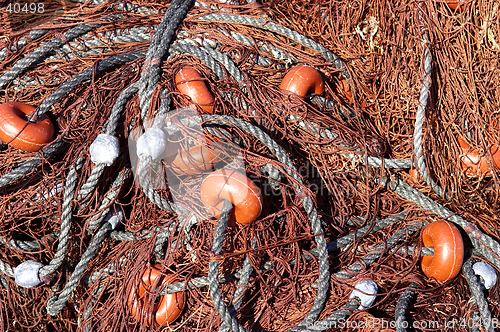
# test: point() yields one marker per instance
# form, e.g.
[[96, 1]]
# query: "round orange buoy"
[[472, 163], [190, 83], [448, 245], [456, 5], [235, 187], [301, 80], [21, 134], [415, 176], [198, 159], [170, 306]]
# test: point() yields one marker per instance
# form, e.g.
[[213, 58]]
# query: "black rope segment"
[[402, 307], [478, 295], [157, 50]]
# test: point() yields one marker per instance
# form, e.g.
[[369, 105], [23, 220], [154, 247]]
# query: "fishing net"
[[349, 176]]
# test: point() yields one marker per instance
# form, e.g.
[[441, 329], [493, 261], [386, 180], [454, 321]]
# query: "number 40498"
[[27, 7]]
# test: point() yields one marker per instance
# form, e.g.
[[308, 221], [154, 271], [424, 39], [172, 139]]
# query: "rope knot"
[[213, 257], [472, 230], [149, 63]]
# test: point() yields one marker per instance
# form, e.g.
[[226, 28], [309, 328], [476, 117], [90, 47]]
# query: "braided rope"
[[158, 49], [483, 244], [55, 304], [402, 307], [62, 246], [478, 295], [420, 116]]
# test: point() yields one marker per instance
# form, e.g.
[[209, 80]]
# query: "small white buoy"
[[152, 143], [486, 274], [366, 291], [105, 149], [26, 274]]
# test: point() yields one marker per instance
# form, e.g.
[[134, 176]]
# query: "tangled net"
[[332, 168]]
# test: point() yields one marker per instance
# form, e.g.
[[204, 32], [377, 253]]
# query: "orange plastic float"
[[190, 83], [198, 159], [347, 89], [170, 306], [415, 176], [448, 245], [235, 187], [472, 163], [303, 79], [16, 131], [456, 5]]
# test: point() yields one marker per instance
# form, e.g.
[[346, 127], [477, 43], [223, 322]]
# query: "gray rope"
[[92, 181], [370, 258], [62, 246], [6, 269], [276, 28], [483, 244], [245, 272], [307, 203], [402, 307], [478, 295], [162, 237], [213, 271], [99, 43], [337, 318], [129, 236], [105, 207], [201, 54], [44, 50], [420, 116], [84, 76], [23, 168], [345, 240], [27, 245], [158, 49], [57, 302], [32, 36], [111, 126], [148, 187]]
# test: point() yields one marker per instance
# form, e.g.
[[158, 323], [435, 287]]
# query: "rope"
[[213, 271], [478, 295], [420, 116], [338, 317], [63, 241], [402, 307], [370, 258], [44, 50], [57, 302], [218, 61], [483, 244], [32, 36], [112, 124], [158, 49]]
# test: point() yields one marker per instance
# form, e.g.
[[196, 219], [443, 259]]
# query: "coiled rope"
[[216, 60]]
